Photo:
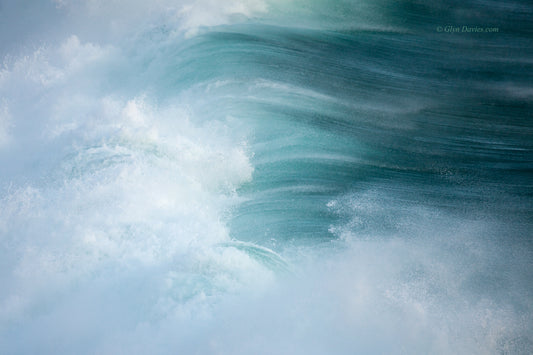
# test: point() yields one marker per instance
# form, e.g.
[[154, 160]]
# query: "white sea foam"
[[111, 204]]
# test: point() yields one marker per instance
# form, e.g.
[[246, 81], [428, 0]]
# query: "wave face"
[[266, 177]]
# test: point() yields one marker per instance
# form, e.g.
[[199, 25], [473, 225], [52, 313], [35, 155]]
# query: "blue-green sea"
[[266, 177]]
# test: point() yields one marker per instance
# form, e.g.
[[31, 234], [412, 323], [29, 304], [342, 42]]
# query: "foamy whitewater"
[[266, 177]]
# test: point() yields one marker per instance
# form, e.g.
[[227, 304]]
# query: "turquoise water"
[[266, 177]]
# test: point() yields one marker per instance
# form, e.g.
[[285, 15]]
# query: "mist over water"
[[266, 177]]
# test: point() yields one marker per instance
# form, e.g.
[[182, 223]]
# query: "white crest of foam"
[[5, 123], [196, 14], [129, 183], [121, 17]]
